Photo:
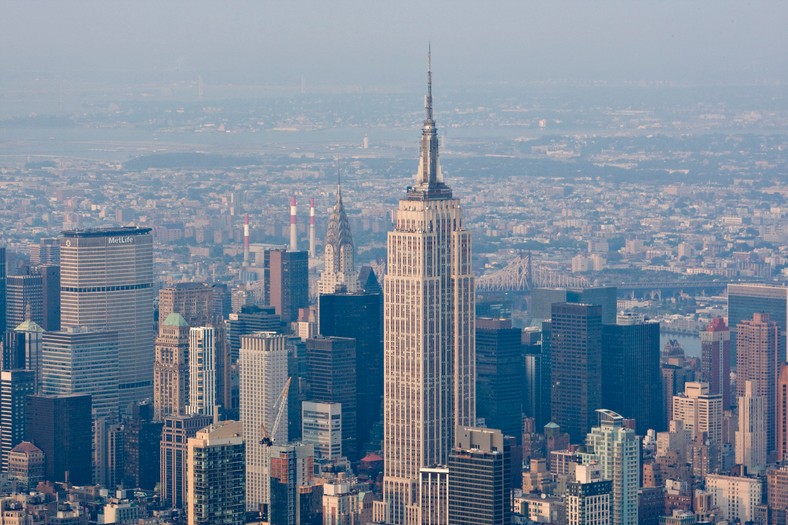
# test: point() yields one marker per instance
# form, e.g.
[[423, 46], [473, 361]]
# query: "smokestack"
[[312, 227], [246, 239], [293, 233]]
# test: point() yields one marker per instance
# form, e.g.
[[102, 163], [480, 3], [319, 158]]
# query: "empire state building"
[[429, 335]]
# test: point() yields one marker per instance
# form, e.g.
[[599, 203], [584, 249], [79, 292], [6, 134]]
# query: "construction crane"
[[280, 405]]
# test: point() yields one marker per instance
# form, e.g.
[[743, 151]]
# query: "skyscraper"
[[715, 343], [630, 365], [47, 251], [616, 449], [542, 300], [576, 367], [202, 370], [60, 426], [82, 361], [744, 300], [24, 294], [479, 481], [22, 349], [781, 416], [340, 269], [141, 447], [499, 375], [3, 306], [289, 282], [216, 475], [15, 386], [321, 427], [199, 303], [250, 319], [292, 470], [107, 284], [332, 379], [429, 335], [50, 296], [359, 316], [777, 493], [751, 434], [262, 368], [700, 411], [35, 293], [174, 454], [757, 344], [171, 368]]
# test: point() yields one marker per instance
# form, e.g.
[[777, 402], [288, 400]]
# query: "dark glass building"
[[250, 319], [499, 375], [332, 379], [479, 478], [576, 367], [15, 386], [715, 363], [289, 282], [60, 426], [360, 317], [172, 471], [542, 300], [50, 294], [631, 368], [37, 290], [2, 292], [745, 300], [23, 293], [141, 449]]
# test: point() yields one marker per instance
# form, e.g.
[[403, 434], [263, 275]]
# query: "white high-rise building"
[[106, 283], [202, 370], [340, 268], [700, 411], [736, 497], [751, 434], [617, 451], [321, 427], [429, 334], [262, 370]]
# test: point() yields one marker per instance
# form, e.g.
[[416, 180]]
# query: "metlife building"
[[107, 284]]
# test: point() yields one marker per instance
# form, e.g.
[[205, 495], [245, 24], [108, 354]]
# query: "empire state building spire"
[[429, 179], [429, 337]]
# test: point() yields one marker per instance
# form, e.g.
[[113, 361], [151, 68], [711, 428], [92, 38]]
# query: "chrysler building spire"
[[339, 271]]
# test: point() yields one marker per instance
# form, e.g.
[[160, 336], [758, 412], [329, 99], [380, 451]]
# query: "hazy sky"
[[375, 44]]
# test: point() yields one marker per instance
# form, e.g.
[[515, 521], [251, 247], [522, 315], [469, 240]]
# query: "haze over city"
[[406, 263]]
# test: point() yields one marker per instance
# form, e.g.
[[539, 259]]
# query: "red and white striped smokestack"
[[246, 238], [293, 232], [312, 227]]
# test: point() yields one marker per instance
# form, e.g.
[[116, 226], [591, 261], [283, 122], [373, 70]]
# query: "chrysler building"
[[340, 269]]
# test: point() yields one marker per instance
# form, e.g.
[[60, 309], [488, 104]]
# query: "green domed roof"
[[175, 319], [28, 326]]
